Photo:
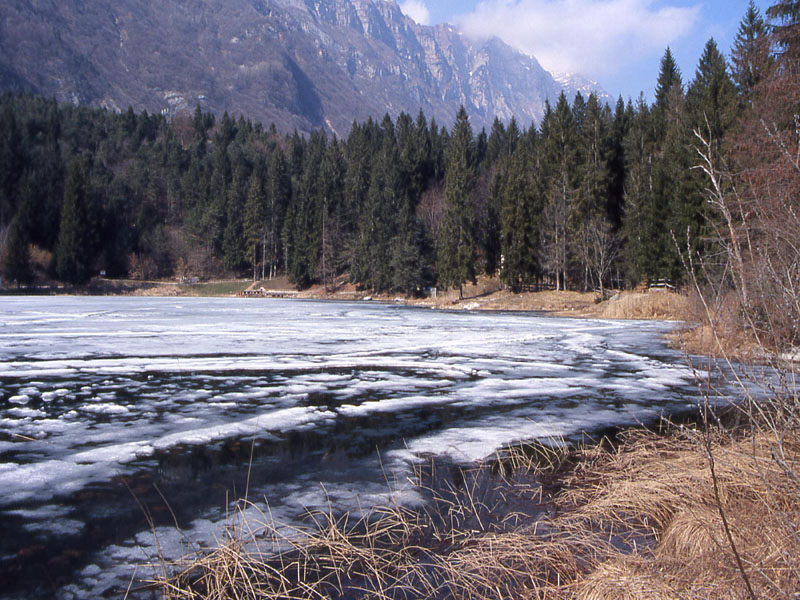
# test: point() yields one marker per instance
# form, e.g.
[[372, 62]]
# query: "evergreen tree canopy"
[[457, 252], [750, 56], [785, 15], [73, 252], [669, 76], [16, 261], [402, 204], [711, 97]]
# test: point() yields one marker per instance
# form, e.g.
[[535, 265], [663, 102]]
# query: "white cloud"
[[417, 10], [595, 37]]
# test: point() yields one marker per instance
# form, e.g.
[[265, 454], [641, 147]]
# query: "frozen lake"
[[108, 404]]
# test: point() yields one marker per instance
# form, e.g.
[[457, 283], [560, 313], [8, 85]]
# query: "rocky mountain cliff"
[[301, 64]]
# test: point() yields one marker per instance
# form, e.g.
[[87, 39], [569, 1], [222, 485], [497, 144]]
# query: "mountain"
[[572, 83], [301, 64]]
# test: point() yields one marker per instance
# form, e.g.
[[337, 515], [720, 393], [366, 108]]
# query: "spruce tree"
[[332, 176], [234, 243], [674, 215], [278, 190], [521, 205], [409, 253], [785, 16], [16, 259], [616, 163], [10, 162], [357, 184], [496, 142], [592, 183], [711, 98], [711, 110], [559, 158], [255, 224], [303, 224], [639, 148], [421, 155], [73, 252], [512, 137], [373, 261], [457, 248], [668, 87], [667, 171], [750, 57]]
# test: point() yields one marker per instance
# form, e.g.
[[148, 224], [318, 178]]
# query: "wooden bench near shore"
[[262, 293]]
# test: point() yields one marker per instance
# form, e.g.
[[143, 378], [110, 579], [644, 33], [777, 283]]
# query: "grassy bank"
[[645, 517], [487, 293]]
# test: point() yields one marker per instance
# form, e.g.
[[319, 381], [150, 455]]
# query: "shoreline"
[[488, 294], [637, 516]]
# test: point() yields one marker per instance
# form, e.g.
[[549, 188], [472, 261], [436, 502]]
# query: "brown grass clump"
[[691, 533], [690, 522], [712, 341], [628, 578], [653, 304]]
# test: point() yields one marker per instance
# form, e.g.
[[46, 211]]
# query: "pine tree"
[[750, 56], [668, 87], [234, 244], [278, 190], [616, 163], [10, 162], [255, 224], [331, 184], [785, 15], [16, 259], [496, 142], [559, 156], [520, 206], [457, 249], [637, 226], [592, 182], [373, 260], [711, 110], [73, 252], [711, 98], [666, 170]]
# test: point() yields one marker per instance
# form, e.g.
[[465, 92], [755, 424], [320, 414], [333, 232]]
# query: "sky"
[[618, 43]]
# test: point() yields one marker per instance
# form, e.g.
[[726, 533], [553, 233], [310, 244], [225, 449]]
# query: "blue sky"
[[618, 43]]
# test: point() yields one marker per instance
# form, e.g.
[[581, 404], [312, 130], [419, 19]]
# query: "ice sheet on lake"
[[387, 361], [89, 387]]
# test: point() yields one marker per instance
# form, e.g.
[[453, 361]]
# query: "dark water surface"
[[116, 409]]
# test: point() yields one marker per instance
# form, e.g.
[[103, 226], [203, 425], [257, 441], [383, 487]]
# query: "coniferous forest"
[[592, 196]]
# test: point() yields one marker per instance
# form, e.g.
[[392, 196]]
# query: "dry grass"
[[488, 295], [638, 521], [653, 304], [663, 492], [712, 341], [716, 329]]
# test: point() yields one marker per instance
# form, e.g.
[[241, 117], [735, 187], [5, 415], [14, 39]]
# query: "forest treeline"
[[591, 196]]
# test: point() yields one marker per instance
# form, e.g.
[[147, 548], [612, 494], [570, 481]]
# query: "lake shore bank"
[[692, 335], [642, 516], [486, 294]]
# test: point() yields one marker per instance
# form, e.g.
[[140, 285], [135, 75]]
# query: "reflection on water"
[[121, 413]]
